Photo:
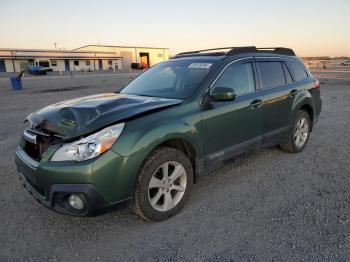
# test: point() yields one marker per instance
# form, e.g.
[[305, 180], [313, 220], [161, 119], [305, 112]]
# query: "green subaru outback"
[[177, 121]]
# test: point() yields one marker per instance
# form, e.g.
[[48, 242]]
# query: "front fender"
[[136, 144], [143, 142], [142, 135]]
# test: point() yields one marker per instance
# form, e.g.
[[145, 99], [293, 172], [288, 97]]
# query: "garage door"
[[126, 61]]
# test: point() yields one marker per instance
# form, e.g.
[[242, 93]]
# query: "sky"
[[310, 27]]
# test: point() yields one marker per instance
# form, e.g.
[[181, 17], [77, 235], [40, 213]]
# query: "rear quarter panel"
[[307, 95]]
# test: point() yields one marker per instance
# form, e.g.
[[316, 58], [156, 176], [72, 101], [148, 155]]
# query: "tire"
[[301, 128], [154, 190]]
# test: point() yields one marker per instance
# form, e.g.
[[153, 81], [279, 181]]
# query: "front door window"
[[238, 77]]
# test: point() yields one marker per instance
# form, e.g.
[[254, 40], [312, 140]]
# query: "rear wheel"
[[163, 185], [299, 133]]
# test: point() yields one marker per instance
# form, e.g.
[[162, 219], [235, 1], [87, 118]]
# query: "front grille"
[[32, 150], [35, 149]]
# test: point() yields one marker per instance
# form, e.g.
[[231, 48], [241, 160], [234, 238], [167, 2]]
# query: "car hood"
[[77, 117]]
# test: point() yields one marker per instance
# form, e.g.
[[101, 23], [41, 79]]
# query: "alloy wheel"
[[301, 132], [167, 186]]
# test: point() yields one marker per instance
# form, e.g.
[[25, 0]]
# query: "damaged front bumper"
[[52, 184]]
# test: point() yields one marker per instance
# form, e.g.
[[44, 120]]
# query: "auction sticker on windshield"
[[200, 65]]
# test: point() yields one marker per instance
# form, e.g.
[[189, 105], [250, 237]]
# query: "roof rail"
[[278, 50], [203, 50], [244, 49]]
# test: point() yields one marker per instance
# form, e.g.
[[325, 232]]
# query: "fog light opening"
[[76, 202]]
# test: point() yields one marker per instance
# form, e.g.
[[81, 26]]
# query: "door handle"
[[256, 103], [293, 92]]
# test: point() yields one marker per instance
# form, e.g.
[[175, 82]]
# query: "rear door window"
[[238, 77], [287, 74], [271, 74], [298, 71]]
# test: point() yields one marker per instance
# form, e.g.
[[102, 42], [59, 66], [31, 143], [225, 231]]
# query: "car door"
[[275, 80], [230, 127]]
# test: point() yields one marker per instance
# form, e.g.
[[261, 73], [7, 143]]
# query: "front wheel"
[[163, 185], [299, 133]]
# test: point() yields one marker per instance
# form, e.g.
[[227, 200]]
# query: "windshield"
[[171, 79]]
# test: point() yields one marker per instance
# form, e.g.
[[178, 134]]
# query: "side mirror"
[[223, 94]]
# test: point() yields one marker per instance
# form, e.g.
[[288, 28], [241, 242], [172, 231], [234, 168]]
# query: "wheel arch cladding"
[[184, 146], [304, 101], [308, 108], [176, 142]]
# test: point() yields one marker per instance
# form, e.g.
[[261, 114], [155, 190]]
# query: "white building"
[[147, 56], [90, 57]]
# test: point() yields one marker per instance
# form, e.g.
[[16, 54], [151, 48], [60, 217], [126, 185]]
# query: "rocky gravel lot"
[[268, 205]]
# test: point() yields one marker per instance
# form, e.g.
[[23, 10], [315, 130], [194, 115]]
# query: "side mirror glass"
[[223, 94]]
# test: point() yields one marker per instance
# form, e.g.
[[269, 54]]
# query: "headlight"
[[89, 147]]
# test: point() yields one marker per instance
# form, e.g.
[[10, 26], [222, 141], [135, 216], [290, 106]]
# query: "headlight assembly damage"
[[89, 147]]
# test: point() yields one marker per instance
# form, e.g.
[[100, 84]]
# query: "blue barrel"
[[16, 83]]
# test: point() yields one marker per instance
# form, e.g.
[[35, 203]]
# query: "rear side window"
[[298, 71], [287, 74], [271, 74], [238, 77]]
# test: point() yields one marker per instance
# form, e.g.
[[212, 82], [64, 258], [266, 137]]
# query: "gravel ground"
[[268, 205]]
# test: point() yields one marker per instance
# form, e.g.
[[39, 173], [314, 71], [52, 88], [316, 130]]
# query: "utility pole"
[[55, 44]]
